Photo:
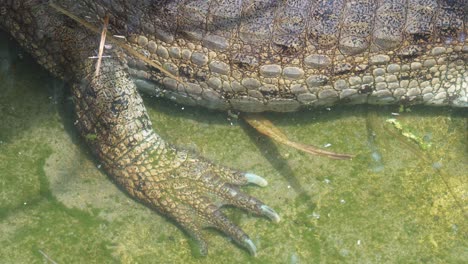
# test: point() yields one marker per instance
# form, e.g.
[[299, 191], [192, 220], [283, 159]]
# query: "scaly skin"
[[112, 118], [271, 55], [236, 55]]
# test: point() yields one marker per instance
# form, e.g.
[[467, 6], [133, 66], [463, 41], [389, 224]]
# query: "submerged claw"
[[248, 243], [270, 213], [255, 179]]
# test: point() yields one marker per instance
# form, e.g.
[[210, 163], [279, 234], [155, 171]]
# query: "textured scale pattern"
[[284, 55], [263, 55], [250, 55], [111, 116]]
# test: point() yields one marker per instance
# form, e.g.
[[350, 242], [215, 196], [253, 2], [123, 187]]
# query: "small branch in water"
[[47, 257], [101, 44], [265, 127]]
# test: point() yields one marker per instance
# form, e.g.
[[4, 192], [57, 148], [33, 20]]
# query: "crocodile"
[[251, 56]]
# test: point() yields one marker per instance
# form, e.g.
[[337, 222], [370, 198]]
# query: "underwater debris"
[[265, 127], [404, 132]]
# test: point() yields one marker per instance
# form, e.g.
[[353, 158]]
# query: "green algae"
[[408, 134], [56, 200], [91, 137]]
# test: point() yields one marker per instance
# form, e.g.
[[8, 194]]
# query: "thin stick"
[[47, 257], [101, 44], [116, 41], [265, 127]]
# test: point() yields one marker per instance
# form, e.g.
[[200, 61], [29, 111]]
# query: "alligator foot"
[[193, 194], [188, 189], [112, 118]]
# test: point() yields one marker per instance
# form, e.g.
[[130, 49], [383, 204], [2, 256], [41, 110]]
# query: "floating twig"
[[265, 127], [47, 257]]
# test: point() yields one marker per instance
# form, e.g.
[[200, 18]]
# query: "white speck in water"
[[376, 156], [97, 57], [327, 145], [342, 201], [358, 242], [294, 259], [25, 203], [395, 114], [233, 192], [315, 215], [233, 115], [99, 166], [328, 109]]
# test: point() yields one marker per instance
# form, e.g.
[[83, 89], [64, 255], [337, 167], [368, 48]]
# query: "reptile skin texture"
[[250, 56]]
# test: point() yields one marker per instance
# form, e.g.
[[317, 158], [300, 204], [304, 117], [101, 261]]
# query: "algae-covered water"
[[397, 201]]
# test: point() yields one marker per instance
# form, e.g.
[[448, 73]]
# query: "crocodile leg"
[[113, 120], [179, 184]]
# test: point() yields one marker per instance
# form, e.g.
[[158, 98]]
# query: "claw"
[[250, 246], [270, 213], [255, 179]]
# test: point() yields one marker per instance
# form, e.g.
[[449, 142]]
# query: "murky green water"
[[393, 203]]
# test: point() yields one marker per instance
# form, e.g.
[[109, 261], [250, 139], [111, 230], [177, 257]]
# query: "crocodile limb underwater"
[[367, 52]]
